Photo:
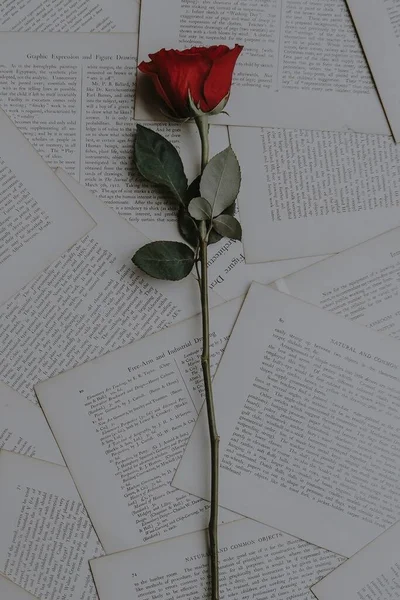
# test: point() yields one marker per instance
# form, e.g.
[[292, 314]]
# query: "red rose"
[[203, 73]]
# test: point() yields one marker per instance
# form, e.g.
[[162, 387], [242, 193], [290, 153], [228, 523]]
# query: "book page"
[[255, 561], [39, 218], [361, 284], [329, 88], [378, 25], [46, 537], [90, 301], [323, 191], [23, 428], [230, 276], [308, 411], [10, 591], [69, 15], [87, 126], [92, 137], [374, 572], [136, 408]]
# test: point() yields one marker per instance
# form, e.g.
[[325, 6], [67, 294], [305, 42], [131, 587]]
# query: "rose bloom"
[[204, 74]]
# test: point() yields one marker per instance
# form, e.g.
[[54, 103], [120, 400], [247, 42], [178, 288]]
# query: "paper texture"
[[39, 218], [378, 25], [10, 591], [88, 127], [372, 573], [23, 428], [69, 15], [46, 536], [328, 88], [255, 561], [361, 284], [230, 276], [308, 409], [91, 137], [90, 301], [314, 192], [135, 409]]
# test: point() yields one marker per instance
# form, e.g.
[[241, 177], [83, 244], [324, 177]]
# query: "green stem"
[[202, 124]]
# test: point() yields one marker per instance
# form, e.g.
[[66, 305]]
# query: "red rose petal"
[[214, 52], [179, 72], [189, 51], [219, 80], [149, 68], [207, 51]]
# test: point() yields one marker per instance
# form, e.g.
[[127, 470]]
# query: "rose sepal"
[[197, 112]]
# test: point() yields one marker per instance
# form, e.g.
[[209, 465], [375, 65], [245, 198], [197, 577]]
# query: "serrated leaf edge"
[[219, 184], [207, 215], [172, 187]]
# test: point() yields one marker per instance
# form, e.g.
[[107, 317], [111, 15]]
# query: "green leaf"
[[165, 260], [200, 209], [228, 226], [159, 162], [193, 190], [188, 228], [220, 182], [215, 237]]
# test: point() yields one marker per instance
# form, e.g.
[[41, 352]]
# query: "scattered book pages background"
[[103, 443], [372, 572]]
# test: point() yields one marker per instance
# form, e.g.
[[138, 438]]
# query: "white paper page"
[[278, 82], [378, 25], [23, 428], [230, 276], [39, 218], [90, 301], [96, 130], [373, 573], [88, 127], [125, 425], [69, 15], [256, 561], [312, 192], [10, 591], [361, 284], [308, 410], [46, 536]]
